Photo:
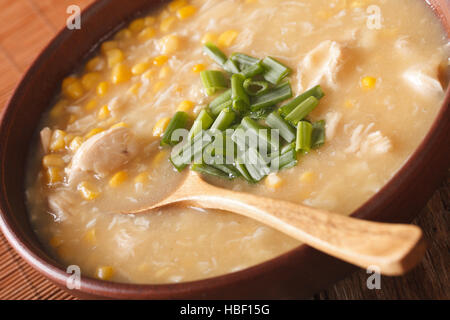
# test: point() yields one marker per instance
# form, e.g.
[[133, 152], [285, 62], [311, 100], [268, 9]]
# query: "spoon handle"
[[393, 248]]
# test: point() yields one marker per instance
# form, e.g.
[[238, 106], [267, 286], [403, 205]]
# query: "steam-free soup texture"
[[382, 64]]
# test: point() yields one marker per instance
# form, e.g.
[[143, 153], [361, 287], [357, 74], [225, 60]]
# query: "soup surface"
[[383, 68]]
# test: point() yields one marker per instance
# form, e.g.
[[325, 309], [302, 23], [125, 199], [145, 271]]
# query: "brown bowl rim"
[[368, 210]]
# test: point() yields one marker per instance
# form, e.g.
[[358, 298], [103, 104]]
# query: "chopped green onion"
[[244, 172], [231, 66], [253, 70], [261, 114], [213, 81], [255, 172], [318, 134], [224, 120], [216, 105], [284, 161], [304, 133], [215, 53], [228, 169], [255, 88], [275, 71], [203, 122], [316, 92], [219, 108], [178, 121], [259, 134], [275, 121], [244, 60], [272, 97], [288, 147], [302, 110], [241, 101], [209, 170], [184, 153]]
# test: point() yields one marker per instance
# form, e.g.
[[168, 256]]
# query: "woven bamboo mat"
[[28, 25]]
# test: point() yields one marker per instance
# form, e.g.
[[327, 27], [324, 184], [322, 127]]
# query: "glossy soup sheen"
[[383, 90]]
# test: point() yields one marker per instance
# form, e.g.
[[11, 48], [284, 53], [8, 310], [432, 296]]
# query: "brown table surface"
[[30, 24]]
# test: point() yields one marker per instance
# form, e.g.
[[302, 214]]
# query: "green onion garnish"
[[253, 70], [178, 121], [215, 53], [258, 133], [304, 134], [231, 66], [217, 104], [287, 132], [209, 170], [203, 122], [302, 110], [255, 88], [316, 92], [213, 81], [241, 101], [224, 120], [272, 97], [275, 71], [244, 61], [318, 134]]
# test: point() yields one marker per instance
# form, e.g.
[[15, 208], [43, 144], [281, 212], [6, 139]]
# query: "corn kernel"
[[160, 60], [53, 160], [140, 68], [68, 139], [226, 39], [186, 12], [121, 73], [164, 72], [54, 175], [158, 158], [141, 178], [88, 191], [58, 109], [90, 80], [118, 179], [186, 106], [123, 34], [93, 132], [349, 104], [91, 105], [57, 141], [149, 21], [56, 241], [120, 125], [114, 57], [166, 24], [160, 127], [72, 119], [134, 89], [90, 236], [273, 181], [368, 82], [75, 144], [177, 4], [147, 34], [158, 86], [169, 44], [198, 68], [103, 113], [95, 64], [104, 272], [307, 177], [102, 88], [209, 37], [356, 4], [137, 25], [108, 45], [74, 90], [68, 81]]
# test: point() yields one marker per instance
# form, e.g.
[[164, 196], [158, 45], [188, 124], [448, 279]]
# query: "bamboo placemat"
[[30, 24]]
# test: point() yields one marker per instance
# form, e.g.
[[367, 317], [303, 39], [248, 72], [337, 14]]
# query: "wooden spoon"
[[393, 248]]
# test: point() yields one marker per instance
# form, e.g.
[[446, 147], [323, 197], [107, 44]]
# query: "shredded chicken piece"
[[104, 153], [363, 141], [46, 136], [424, 79], [320, 65], [332, 120], [60, 204]]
